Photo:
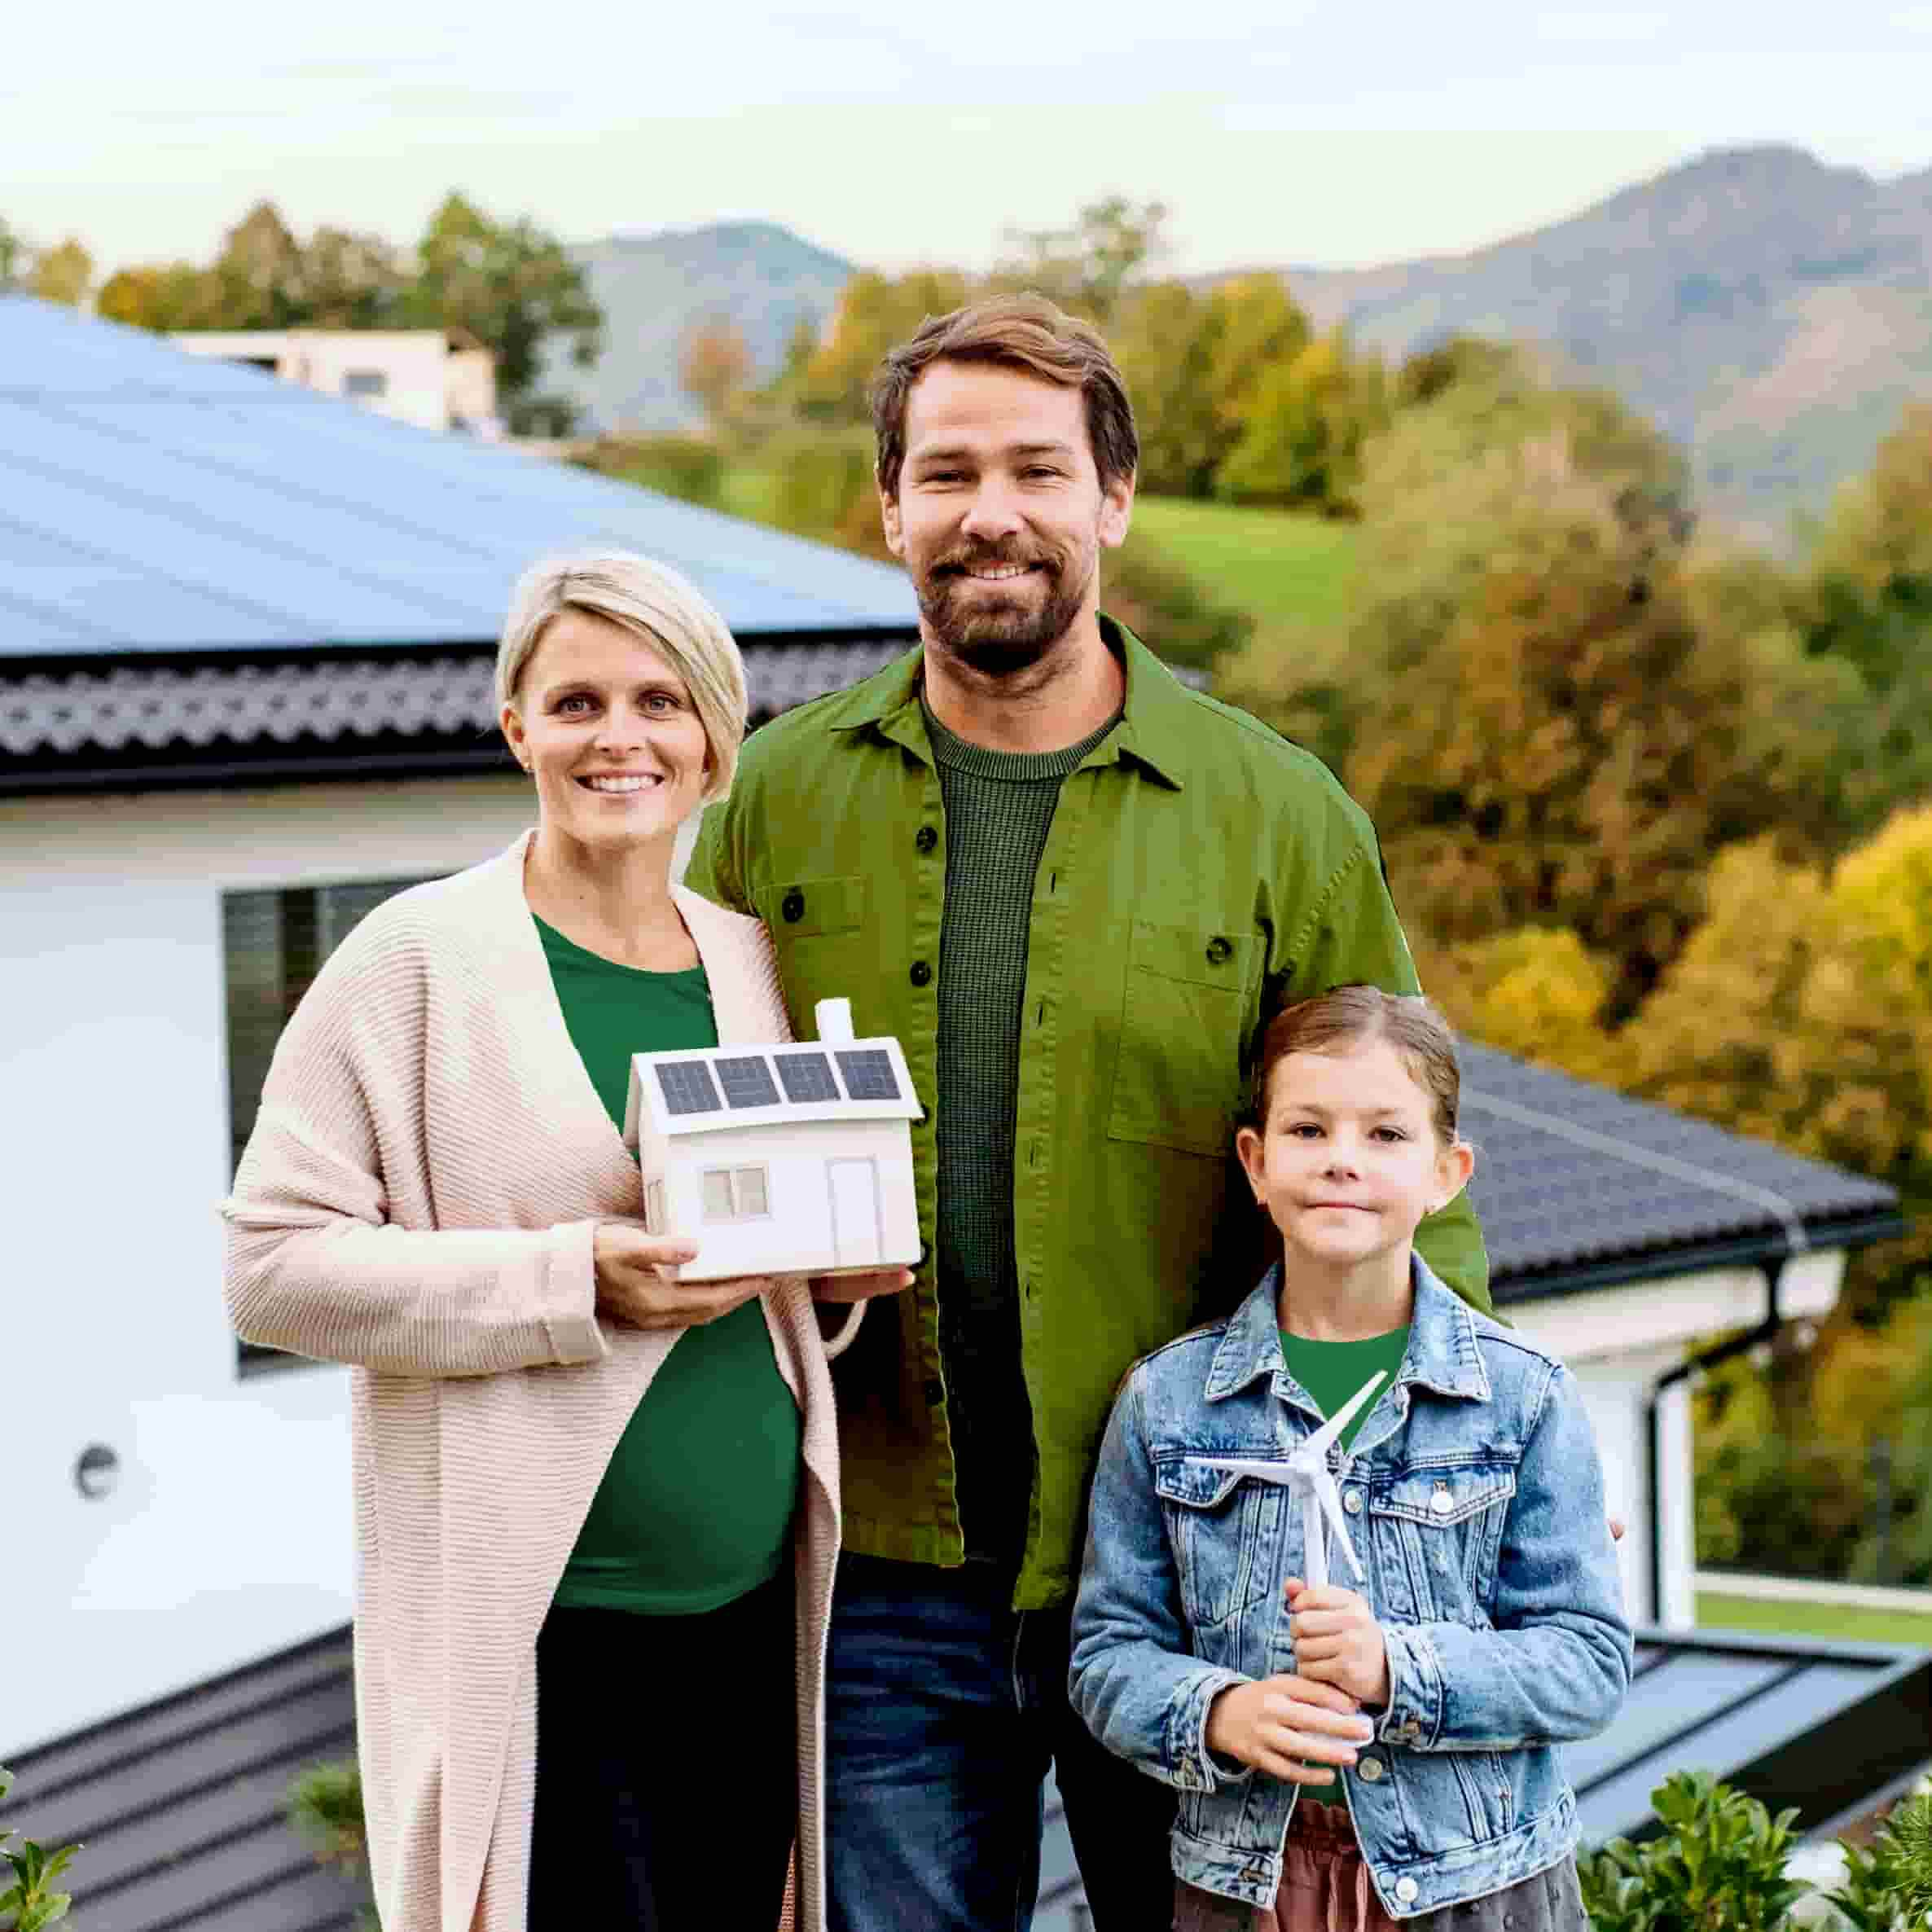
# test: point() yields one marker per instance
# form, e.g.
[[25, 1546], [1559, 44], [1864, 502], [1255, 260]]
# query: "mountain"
[[654, 288], [1772, 311]]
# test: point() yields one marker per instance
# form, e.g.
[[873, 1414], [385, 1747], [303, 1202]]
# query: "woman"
[[596, 1509]]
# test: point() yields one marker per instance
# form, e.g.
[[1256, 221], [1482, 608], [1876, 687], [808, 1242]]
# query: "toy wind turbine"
[[1307, 1470]]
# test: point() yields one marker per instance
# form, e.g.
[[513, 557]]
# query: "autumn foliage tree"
[[714, 367]]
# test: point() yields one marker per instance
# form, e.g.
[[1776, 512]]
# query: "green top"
[[999, 806], [1198, 867], [695, 1507], [1332, 1371]]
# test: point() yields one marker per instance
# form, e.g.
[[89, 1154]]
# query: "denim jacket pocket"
[[1439, 1530], [1220, 1527]]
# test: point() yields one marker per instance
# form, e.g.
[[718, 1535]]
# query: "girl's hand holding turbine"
[[1276, 1723], [1337, 1640]]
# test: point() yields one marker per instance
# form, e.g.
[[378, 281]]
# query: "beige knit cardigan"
[[418, 1200]]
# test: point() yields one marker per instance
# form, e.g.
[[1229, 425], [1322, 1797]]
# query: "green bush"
[[1718, 1866], [324, 1807], [1889, 1888], [689, 468], [31, 1901]]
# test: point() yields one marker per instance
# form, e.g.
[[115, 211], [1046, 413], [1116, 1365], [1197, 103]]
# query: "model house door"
[[857, 1238]]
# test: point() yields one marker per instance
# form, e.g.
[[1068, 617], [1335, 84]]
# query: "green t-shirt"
[[1332, 1371], [696, 1508]]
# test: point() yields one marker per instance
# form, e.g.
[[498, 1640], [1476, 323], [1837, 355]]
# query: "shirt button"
[[1351, 1501], [1441, 1502], [1370, 1768], [921, 973], [1219, 951], [925, 838], [1405, 1889], [793, 906], [935, 1391]]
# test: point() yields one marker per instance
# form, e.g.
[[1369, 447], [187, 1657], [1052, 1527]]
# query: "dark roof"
[[1824, 1727], [178, 1804], [1580, 1187]]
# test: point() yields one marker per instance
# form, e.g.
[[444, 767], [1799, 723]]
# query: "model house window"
[[273, 945], [654, 1207], [734, 1194], [364, 382]]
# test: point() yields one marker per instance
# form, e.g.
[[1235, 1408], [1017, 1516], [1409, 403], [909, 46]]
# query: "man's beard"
[[995, 634]]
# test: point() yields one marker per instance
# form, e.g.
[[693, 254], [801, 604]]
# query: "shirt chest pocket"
[[1437, 1534], [1223, 1531], [1177, 1073], [818, 927]]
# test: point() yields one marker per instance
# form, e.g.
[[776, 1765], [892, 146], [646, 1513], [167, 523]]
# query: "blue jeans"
[[944, 1708]]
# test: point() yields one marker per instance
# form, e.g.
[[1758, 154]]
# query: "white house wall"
[[1619, 1342], [227, 1535]]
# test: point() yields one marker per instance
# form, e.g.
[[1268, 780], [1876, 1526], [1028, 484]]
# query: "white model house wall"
[[225, 1533], [793, 1163]]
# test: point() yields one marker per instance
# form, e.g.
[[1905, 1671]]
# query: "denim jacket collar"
[[1441, 1355]]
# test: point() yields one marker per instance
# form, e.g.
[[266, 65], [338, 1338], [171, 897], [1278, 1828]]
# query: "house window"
[[654, 1221], [734, 1194], [364, 382], [273, 945]]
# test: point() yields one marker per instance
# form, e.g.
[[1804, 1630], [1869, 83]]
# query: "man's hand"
[[1277, 1722], [1337, 1640], [862, 1287], [638, 1285]]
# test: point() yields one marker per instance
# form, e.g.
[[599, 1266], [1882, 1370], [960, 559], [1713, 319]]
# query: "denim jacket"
[[1476, 1503]]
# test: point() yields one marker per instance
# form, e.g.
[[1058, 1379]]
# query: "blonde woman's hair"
[[655, 604]]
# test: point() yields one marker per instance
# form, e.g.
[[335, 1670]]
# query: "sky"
[[1275, 131]]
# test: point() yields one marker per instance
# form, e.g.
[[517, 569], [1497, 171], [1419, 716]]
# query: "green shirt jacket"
[[1199, 869]]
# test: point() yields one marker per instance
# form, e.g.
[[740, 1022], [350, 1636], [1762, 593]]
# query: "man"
[[1071, 887]]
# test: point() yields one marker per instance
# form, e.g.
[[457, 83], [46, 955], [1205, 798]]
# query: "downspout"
[[1710, 1358]]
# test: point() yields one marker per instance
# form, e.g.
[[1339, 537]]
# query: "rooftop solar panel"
[[807, 1077], [869, 1075], [748, 1082], [688, 1086], [224, 508]]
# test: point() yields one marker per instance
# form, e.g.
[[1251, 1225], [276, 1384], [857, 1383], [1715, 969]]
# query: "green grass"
[[1853, 1622], [746, 493], [1266, 562]]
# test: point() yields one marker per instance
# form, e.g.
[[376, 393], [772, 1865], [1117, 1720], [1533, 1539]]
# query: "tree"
[[1537, 992], [349, 280], [259, 272], [1254, 327], [163, 297], [1426, 373], [63, 273], [1085, 268], [509, 285], [713, 367], [13, 253], [874, 313], [1162, 341], [1302, 430]]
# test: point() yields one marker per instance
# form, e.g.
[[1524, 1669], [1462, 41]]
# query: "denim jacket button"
[[1369, 1769], [1351, 1501], [1441, 1502], [1405, 1889]]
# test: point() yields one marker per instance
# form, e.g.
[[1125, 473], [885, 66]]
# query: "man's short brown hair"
[[1026, 332]]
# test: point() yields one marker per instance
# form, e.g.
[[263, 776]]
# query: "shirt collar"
[[1151, 731], [1442, 1356]]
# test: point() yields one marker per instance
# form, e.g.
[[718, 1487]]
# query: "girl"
[[1487, 1626]]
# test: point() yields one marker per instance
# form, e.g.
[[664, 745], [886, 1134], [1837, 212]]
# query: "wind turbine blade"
[[1322, 1489], [1315, 1447]]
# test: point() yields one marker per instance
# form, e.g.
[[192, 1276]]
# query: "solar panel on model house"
[[869, 1075], [688, 1086], [747, 1082], [807, 1077]]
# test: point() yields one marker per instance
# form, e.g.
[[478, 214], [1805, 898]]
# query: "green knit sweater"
[[998, 808]]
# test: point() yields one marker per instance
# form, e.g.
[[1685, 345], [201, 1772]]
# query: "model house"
[[780, 1160]]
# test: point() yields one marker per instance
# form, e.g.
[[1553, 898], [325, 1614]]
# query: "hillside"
[[654, 288], [1770, 310]]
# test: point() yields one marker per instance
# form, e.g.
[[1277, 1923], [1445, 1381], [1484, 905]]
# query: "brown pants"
[[1325, 1888]]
